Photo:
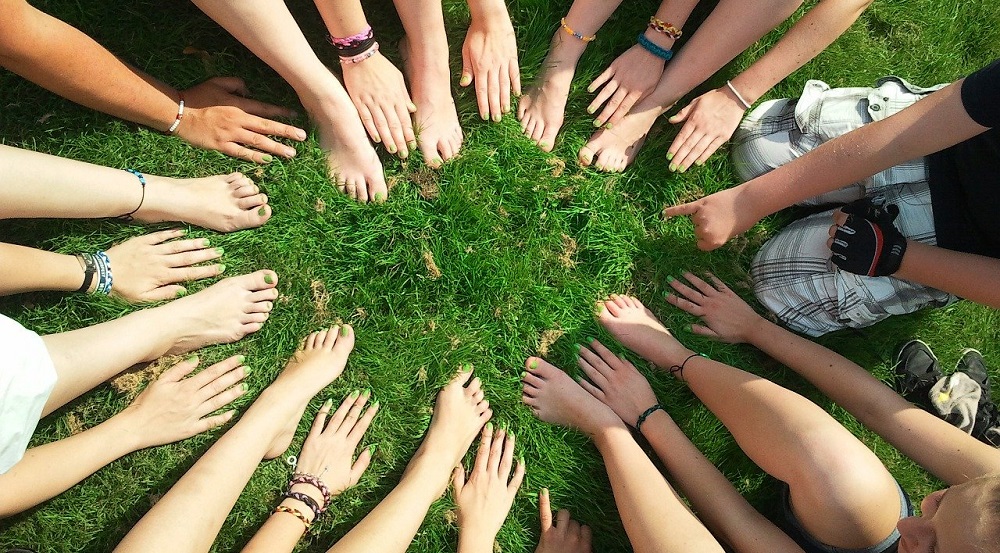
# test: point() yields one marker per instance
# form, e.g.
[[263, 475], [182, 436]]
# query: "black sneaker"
[[987, 427], [916, 371]]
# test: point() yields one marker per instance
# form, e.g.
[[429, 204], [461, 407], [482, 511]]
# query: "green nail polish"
[[489, 427], [376, 405], [262, 211], [268, 278], [245, 386], [191, 359], [533, 365], [354, 394], [222, 268], [520, 459], [670, 279], [328, 404], [367, 392], [609, 126], [468, 367], [576, 347], [240, 359], [670, 156], [497, 118], [590, 340], [590, 110], [206, 243], [371, 450], [392, 149], [182, 292], [343, 330], [597, 123], [220, 251], [524, 374], [379, 197], [699, 163], [683, 168], [672, 167], [266, 158], [510, 434]]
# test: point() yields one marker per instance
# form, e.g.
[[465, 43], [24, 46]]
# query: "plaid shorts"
[[792, 274]]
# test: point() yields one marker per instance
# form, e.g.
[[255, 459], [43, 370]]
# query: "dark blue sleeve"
[[981, 95]]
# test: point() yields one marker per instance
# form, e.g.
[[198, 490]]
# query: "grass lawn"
[[523, 243]]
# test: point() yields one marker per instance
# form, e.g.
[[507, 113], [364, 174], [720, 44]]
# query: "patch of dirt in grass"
[[569, 248], [548, 338], [432, 269], [321, 298], [558, 166], [74, 424], [427, 183], [320, 205], [130, 383]]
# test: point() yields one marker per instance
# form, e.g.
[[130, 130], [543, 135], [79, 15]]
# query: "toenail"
[[524, 375], [533, 364], [267, 158], [268, 279], [222, 268], [489, 427], [343, 330], [590, 340], [379, 197], [262, 211], [220, 250]]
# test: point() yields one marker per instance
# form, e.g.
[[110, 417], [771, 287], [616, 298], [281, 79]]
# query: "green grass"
[[499, 231]]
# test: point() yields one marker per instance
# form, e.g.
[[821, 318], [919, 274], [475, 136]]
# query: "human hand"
[[219, 116], [616, 382], [566, 536], [726, 316], [485, 498], [174, 408], [489, 57], [718, 217], [709, 121], [328, 452], [379, 92], [627, 80], [148, 268], [863, 239]]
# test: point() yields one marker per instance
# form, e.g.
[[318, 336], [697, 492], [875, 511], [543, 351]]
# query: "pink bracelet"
[[362, 56], [352, 40], [303, 478]]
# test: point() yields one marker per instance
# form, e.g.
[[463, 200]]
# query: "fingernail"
[[466, 79], [240, 359], [672, 167], [689, 328], [411, 106], [544, 491], [267, 158], [496, 118], [371, 450], [367, 392], [290, 152], [510, 434], [245, 386], [597, 123], [206, 243], [485, 116], [669, 280], [590, 340], [609, 126], [220, 250], [683, 168], [590, 110], [467, 367], [534, 364], [489, 427], [327, 404], [222, 268], [576, 347], [699, 163], [392, 149], [412, 144], [520, 459], [376, 405], [191, 359], [268, 278], [354, 394], [670, 156], [262, 211]]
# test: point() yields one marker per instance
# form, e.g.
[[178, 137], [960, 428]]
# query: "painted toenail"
[[524, 374], [220, 250], [262, 211], [343, 330], [670, 156], [534, 364], [327, 404], [489, 427], [670, 279], [267, 158], [379, 197], [268, 279]]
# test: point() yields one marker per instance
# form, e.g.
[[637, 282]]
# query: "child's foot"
[[439, 134], [542, 108], [222, 313], [354, 165], [555, 398], [222, 202], [460, 412], [636, 328], [319, 361], [614, 149]]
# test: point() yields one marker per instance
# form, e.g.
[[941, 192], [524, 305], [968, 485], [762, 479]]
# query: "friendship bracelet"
[[361, 57], [662, 26], [578, 36], [308, 500], [296, 513], [678, 370], [142, 183], [654, 48], [303, 478], [105, 279], [353, 40], [746, 105], [645, 414], [180, 114], [89, 268]]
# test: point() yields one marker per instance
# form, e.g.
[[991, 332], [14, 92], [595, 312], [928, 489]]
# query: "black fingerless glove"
[[868, 243]]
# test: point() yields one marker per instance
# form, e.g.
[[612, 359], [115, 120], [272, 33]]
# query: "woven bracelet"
[[303, 478], [308, 500], [296, 513], [654, 48], [646, 414]]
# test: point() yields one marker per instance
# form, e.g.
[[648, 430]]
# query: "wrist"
[[490, 15], [659, 39], [474, 539], [654, 420], [126, 431]]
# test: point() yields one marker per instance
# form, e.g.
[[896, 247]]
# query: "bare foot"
[[222, 313], [555, 398], [636, 328], [222, 202], [354, 165], [439, 135], [460, 411], [617, 147], [316, 364], [542, 108]]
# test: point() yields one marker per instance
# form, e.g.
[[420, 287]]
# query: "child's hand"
[[487, 496], [726, 316], [566, 535], [616, 382]]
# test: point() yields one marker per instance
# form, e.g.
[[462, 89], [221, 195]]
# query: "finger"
[[169, 292], [609, 357], [681, 115], [544, 509], [716, 143], [358, 432], [594, 390], [267, 111], [368, 121], [507, 460], [341, 413], [598, 363], [458, 479], [485, 445], [361, 464], [220, 400], [515, 482], [719, 285], [210, 374], [180, 370], [382, 125], [592, 373], [688, 141], [686, 291], [409, 138], [319, 423], [493, 87], [505, 91], [602, 96], [689, 208], [702, 286], [695, 151], [181, 246], [189, 252], [624, 108], [496, 452], [685, 305], [162, 236], [703, 330], [483, 94], [209, 423], [839, 218], [604, 77], [515, 77], [232, 85], [586, 536], [220, 384], [612, 105], [268, 127], [239, 151], [187, 274], [562, 518], [354, 412]]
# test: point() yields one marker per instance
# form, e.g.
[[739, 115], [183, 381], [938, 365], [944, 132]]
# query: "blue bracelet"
[[654, 48]]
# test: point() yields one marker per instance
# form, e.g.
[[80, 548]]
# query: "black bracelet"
[[89, 269], [678, 370], [308, 500], [645, 415]]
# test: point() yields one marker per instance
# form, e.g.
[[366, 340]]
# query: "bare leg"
[[643, 497], [267, 28], [840, 491], [458, 415], [439, 135], [42, 185], [222, 313], [212, 486]]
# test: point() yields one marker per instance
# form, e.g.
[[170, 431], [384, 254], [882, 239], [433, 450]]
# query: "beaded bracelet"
[[362, 56], [296, 513], [662, 26], [105, 279], [678, 370], [89, 269], [303, 478], [654, 48], [142, 184], [746, 105], [645, 414], [308, 500], [180, 114], [578, 36]]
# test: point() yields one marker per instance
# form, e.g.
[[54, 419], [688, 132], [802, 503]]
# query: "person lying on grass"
[[43, 373], [839, 495], [377, 88], [326, 466], [216, 114], [640, 84], [922, 227], [145, 268]]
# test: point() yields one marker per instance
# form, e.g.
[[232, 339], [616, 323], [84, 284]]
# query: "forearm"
[[645, 500], [423, 21], [489, 13], [469, 542], [343, 18], [810, 35], [62, 59], [281, 532], [48, 470], [24, 269], [723, 510], [973, 277]]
